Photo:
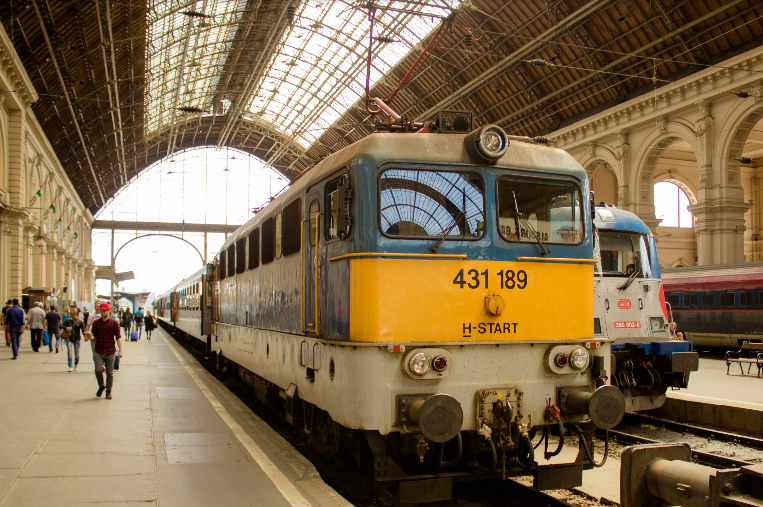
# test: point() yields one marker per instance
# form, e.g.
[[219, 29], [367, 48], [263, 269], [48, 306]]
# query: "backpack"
[[138, 318]]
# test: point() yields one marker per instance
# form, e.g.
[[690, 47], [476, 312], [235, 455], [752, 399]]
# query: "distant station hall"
[[323, 253]]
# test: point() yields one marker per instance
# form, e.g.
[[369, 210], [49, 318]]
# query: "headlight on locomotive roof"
[[579, 359], [487, 143], [419, 363]]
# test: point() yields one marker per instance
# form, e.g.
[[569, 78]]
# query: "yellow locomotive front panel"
[[454, 300]]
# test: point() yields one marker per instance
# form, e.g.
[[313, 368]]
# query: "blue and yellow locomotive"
[[426, 300]]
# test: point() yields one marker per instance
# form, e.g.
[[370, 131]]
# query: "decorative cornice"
[[699, 88], [10, 63]]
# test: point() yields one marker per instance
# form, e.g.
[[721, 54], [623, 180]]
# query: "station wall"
[[44, 227]]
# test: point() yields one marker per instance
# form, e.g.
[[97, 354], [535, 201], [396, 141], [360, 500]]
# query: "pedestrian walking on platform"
[[76, 327], [127, 323], [139, 321], [150, 324], [15, 318], [53, 325], [36, 322], [8, 304], [107, 339]]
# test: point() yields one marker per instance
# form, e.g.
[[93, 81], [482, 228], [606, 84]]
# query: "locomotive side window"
[[223, 265], [315, 208], [622, 253], [268, 241], [279, 228], [240, 256], [530, 208], [231, 260], [338, 196], [254, 248], [291, 232], [431, 204]]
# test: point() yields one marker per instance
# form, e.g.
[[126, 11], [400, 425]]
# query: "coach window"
[[692, 300], [708, 300], [674, 300], [291, 228], [760, 298], [254, 248], [241, 255], [421, 204], [268, 241], [727, 299], [315, 208]]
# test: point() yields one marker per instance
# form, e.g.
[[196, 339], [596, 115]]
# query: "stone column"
[[40, 252], [17, 247], [720, 210], [90, 280], [51, 264]]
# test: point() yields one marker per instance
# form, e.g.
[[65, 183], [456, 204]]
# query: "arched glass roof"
[[316, 67]]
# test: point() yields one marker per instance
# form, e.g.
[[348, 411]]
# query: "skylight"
[[319, 69], [187, 43]]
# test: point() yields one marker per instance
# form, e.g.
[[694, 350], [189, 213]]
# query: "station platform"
[[172, 435], [710, 384]]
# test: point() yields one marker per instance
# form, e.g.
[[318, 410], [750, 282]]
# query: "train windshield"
[[531, 208], [621, 253], [431, 204]]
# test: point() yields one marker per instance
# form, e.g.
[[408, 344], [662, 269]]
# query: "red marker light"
[[561, 360], [439, 363]]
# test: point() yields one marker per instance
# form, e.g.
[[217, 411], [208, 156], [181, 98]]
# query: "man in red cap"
[[105, 333]]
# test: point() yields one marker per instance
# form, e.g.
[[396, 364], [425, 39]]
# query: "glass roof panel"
[[319, 69], [189, 38]]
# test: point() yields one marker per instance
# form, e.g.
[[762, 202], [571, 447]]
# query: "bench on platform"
[[737, 356]]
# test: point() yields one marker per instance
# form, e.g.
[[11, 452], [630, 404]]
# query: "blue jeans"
[[57, 333], [15, 337], [72, 349]]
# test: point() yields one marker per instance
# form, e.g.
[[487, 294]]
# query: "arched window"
[[670, 204]]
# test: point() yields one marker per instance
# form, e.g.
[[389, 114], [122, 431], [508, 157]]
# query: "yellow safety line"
[[290, 493], [418, 256], [558, 259]]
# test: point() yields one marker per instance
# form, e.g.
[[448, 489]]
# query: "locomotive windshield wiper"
[[636, 271], [445, 232], [517, 216]]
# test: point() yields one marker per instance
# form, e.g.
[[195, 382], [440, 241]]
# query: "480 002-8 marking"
[[507, 279]]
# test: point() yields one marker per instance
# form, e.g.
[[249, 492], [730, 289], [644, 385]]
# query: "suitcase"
[[134, 336]]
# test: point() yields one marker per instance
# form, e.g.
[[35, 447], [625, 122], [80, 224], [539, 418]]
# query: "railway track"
[[705, 458]]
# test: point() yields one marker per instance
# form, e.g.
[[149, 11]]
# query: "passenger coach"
[[426, 300]]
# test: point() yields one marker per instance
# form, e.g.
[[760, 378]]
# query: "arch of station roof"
[[166, 234]]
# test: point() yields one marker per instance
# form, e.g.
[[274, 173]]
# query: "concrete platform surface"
[[711, 385], [172, 436]]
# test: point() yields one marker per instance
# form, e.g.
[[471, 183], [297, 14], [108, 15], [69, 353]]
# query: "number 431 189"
[[508, 279]]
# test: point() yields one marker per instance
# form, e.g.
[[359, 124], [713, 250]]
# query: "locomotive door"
[[313, 264]]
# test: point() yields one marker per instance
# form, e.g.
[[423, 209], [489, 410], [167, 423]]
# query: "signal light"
[[561, 360], [439, 363]]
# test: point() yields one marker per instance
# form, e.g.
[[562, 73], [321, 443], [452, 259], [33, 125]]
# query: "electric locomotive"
[[630, 309], [426, 301]]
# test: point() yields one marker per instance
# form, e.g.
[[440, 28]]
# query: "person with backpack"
[[76, 328], [126, 323], [138, 317], [108, 339], [53, 325]]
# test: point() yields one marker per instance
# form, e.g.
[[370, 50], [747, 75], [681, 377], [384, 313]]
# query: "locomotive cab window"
[[431, 204], [531, 208], [623, 254]]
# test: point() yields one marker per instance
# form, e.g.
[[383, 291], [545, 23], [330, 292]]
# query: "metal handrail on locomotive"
[[424, 300], [630, 309]]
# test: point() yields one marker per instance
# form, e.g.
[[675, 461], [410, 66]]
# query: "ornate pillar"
[[17, 250], [90, 280], [51, 261], [40, 264], [719, 212]]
